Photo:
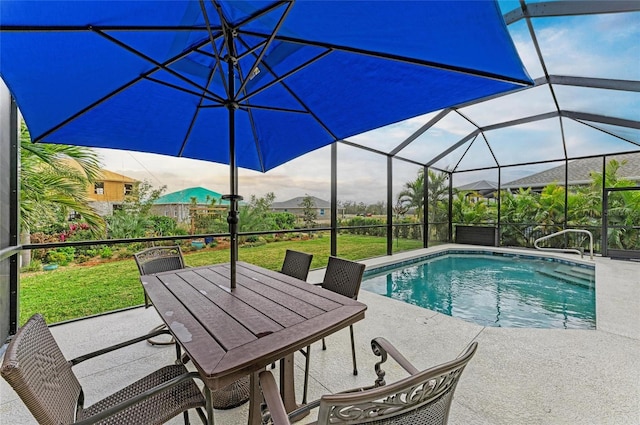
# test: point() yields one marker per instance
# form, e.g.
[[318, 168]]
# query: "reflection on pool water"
[[494, 289]]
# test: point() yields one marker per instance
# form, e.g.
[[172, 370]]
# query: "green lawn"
[[78, 291]]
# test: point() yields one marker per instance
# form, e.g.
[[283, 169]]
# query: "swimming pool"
[[493, 289]]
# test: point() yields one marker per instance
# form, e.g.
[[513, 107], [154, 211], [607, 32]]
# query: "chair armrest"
[[272, 398], [106, 350], [381, 347], [137, 399]]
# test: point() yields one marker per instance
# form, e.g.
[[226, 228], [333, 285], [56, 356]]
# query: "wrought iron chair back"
[[422, 398]]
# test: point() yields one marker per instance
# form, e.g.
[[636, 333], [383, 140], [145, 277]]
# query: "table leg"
[[255, 399], [209, 405], [287, 387]]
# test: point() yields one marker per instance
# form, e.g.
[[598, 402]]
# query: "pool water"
[[492, 290]]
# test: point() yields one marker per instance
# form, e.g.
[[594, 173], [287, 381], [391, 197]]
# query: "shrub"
[[106, 252], [258, 242], [62, 256], [34, 266], [81, 258]]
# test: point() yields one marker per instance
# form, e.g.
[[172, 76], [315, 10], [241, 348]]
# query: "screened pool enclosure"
[[562, 154]]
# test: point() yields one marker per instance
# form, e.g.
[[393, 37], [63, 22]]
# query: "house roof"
[[297, 203], [103, 175], [184, 197], [480, 185], [110, 176], [579, 172]]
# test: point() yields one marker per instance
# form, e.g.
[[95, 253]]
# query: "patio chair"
[[39, 373], [342, 277], [296, 264], [158, 259], [424, 397]]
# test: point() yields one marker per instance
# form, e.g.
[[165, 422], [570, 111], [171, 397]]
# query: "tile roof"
[[184, 196]]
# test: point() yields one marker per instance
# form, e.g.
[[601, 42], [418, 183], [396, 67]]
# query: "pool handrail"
[[577, 251]]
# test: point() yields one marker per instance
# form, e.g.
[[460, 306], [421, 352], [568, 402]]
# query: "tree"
[[309, 212], [133, 219], [53, 182], [206, 219], [412, 196], [256, 215]]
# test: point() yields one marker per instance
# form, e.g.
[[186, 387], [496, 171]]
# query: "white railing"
[[577, 251]]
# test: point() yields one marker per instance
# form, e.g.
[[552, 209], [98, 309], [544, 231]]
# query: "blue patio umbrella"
[[249, 83]]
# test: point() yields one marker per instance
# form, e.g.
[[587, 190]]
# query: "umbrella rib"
[[156, 63], [389, 56], [260, 13], [254, 129], [223, 24], [270, 39], [288, 89], [110, 95], [272, 108], [284, 76], [182, 89], [295, 96], [195, 116]]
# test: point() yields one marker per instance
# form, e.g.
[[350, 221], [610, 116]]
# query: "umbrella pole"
[[233, 198]]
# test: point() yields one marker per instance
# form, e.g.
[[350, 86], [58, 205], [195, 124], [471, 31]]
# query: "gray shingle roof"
[[297, 203], [480, 185], [579, 172]]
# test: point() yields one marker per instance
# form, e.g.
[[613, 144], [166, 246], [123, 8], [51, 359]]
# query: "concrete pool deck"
[[518, 376]]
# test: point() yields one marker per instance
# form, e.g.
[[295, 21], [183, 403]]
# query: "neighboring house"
[[294, 206], [579, 173], [107, 193], [178, 204], [483, 187]]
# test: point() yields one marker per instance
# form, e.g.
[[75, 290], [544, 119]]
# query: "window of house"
[[321, 211], [98, 188], [128, 188], [116, 207]]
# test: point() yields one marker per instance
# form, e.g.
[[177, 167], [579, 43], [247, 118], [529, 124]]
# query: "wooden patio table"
[[231, 334]]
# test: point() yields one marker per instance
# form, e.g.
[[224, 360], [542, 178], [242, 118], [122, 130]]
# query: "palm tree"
[[53, 181], [413, 194]]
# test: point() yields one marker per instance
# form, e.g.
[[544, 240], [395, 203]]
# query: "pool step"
[[571, 274]]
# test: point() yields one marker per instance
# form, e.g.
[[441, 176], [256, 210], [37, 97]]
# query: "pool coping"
[[474, 251]]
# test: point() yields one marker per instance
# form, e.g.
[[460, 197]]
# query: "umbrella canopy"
[[260, 81]]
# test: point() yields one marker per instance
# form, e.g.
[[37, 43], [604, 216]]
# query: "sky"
[[600, 46]]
